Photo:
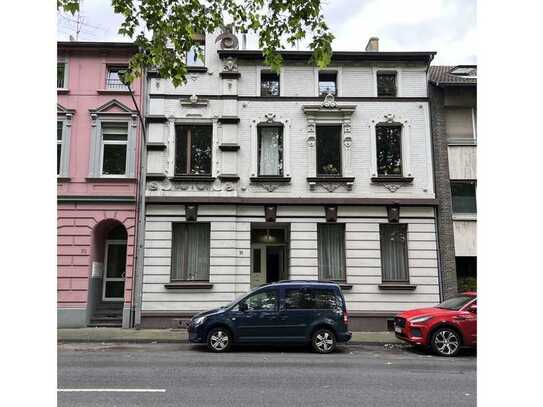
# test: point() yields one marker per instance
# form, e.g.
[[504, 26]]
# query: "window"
[[394, 252], [463, 197], [60, 127], [331, 251], [311, 298], [193, 150], [327, 83], [269, 84], [190, 252], [113, 79], [114, 142], [61, 75], [196, 54], [270, 150], [329, 151], [460, 122], [262, 301], [389, 150], [386, 84], [466, 273]]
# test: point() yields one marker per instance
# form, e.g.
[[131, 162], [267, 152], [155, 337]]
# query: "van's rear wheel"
[[219, 340], [323, 341]]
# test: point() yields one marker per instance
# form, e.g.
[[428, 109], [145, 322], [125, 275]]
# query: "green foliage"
[[467, 283], [173, 24]]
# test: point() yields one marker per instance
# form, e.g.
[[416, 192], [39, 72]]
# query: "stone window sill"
[[113, 91], [464, 216], [63, 91], [131, 180], [188, 285], [462, 142], [345, 286], [193, 178], [63, 179], [201, 69], [397, 286], [155, 176], [405, 180], [270, 178], [330, 179]]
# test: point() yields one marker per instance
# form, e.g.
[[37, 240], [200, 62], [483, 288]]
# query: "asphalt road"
[[186, 375]]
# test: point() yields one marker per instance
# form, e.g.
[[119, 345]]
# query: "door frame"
[[105, 279], [263, 246]]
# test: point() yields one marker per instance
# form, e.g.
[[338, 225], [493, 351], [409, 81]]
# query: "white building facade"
[[255, 176]]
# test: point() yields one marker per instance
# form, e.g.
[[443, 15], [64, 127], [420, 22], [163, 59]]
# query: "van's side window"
[[298, 298], [311, 298]]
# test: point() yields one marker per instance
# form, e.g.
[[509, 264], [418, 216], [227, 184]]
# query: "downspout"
[[140, 207]]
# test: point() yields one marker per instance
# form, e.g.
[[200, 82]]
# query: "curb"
[[186, 342]]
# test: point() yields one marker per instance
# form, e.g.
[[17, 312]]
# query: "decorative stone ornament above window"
[[394, 126], [263, 140], [227, 39], [113, 112], [329, 113], [194, 101]]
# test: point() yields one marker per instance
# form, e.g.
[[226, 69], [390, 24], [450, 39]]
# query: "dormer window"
[[386, 84], [469, 71]]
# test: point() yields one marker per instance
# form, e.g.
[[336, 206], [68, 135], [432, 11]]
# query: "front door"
[[114, 270], [267, 264]]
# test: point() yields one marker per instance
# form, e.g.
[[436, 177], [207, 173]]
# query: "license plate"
[[397, 329]]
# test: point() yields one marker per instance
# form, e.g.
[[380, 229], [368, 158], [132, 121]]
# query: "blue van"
[[281, 312]]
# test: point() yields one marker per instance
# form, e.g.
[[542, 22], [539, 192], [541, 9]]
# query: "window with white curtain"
[[270, 151], [190, 251], [331, 251], [114, 146], [394, 252]]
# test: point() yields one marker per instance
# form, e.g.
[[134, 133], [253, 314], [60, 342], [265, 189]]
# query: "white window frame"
[[379, 69], [173, 121], [105, 278], [270, 119], [337, 71], [266, 69], [64, 60], [202, 63], [110, 66], [103, 143], [405, 124]]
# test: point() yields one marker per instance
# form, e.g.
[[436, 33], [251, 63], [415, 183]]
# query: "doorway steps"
[[107, 315]]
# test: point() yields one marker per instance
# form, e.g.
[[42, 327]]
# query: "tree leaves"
[[174, 24]]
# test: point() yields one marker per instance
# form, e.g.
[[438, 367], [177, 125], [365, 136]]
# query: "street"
[[186, 375]]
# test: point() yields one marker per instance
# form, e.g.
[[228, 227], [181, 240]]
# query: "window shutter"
[[131, 151], [94, 157]]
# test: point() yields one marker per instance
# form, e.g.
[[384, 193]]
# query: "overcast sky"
[[445, 26]]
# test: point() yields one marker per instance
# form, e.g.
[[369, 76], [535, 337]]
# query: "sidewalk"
[[180, 336]]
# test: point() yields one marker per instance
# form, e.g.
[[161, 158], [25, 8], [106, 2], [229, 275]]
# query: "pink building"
[[98, 139]]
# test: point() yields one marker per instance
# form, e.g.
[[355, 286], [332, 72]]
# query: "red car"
[[445, 328]]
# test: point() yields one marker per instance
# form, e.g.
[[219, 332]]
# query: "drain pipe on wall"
[[140, 209]]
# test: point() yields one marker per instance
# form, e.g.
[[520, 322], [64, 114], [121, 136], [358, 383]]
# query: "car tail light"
[[345, 318]]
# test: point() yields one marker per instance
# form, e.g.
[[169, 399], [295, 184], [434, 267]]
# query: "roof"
[[440, 75], [423, 56], [97, 45]]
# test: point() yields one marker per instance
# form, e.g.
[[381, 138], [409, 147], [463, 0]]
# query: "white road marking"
[[114, 390]]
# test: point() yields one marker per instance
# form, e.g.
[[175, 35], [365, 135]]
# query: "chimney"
[[373, 45]]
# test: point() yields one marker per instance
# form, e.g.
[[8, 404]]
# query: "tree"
[[173, 25]]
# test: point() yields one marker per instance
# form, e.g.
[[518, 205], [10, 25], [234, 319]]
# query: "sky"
[[445, 26]]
